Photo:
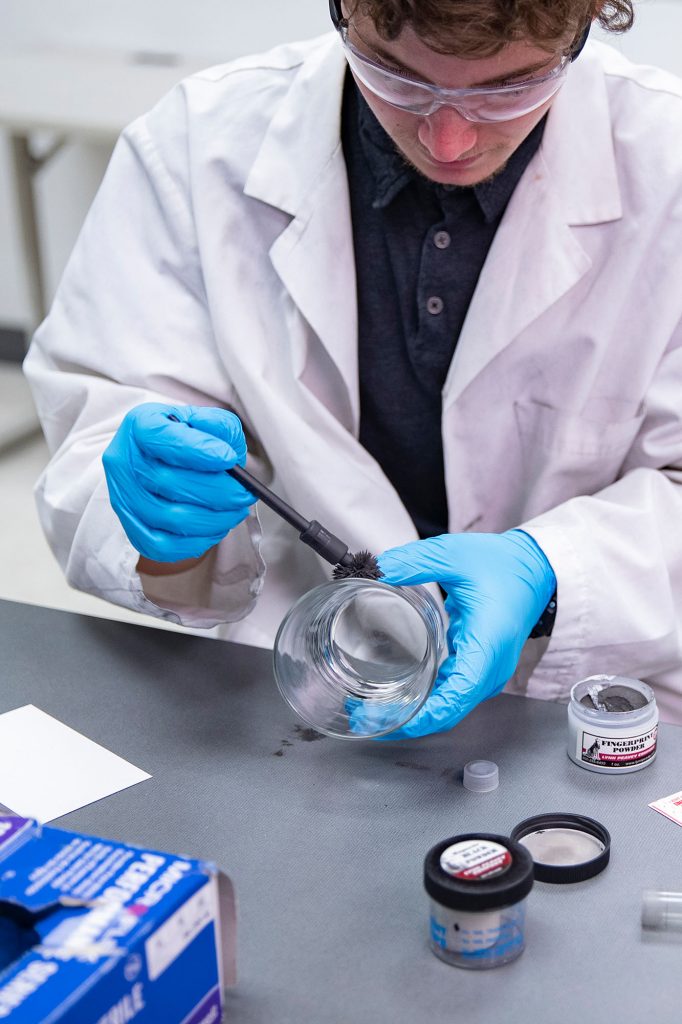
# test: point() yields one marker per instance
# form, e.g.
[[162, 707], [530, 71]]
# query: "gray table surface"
[[325, 840]]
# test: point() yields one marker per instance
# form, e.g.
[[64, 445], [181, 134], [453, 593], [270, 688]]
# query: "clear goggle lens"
[[500, 104]]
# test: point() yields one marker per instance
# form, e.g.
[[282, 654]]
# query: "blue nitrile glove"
[[497, 586], [167, 480]]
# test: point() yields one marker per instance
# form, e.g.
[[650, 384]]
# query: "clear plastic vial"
[[612, 724], [357, 658], [662, 911], [477, 884]]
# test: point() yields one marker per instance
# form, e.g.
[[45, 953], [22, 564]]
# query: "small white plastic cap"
[[481, 776]]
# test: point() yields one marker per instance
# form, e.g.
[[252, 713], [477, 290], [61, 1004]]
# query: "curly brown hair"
[[480, 28]]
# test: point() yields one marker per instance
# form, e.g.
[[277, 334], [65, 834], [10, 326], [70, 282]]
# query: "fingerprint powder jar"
[[477, 884], [612, 724]]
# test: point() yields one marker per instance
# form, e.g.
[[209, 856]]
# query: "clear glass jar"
[[357, 658]]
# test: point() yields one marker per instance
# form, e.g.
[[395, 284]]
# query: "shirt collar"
[[392, 174]]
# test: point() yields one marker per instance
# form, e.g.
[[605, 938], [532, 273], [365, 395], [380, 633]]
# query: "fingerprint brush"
[[312, 533], [346, 564]]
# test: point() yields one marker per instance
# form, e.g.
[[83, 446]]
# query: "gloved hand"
[[167, 480], [497, 586]]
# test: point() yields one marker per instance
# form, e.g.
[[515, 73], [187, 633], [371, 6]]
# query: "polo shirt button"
[[435, 305], [441, 239]]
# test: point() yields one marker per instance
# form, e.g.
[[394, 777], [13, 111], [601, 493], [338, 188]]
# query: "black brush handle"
[[269, 498], [310, 531]]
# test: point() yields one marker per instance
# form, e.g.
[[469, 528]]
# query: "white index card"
[[48, 769]]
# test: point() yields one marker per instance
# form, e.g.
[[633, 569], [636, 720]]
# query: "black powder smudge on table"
[[307, 734], [280, 752], [302, 733]]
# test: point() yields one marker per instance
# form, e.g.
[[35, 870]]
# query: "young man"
[[429, 263]]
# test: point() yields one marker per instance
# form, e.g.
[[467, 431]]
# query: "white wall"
[[656, 36], [214, 29], [219, 28]]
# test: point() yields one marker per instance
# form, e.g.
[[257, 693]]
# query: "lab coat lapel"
[[300, 169], [537, 255]]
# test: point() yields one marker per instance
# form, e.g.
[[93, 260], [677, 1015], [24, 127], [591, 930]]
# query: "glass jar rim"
[[334, 686]]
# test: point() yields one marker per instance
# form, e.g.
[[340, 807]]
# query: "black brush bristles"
[[362, 565]]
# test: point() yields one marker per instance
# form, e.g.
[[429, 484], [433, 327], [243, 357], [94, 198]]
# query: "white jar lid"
[[481, 776]]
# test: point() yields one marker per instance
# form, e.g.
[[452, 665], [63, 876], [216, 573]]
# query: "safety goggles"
[[479, 104]]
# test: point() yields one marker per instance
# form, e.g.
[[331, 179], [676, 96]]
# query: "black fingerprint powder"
[[614, 698]]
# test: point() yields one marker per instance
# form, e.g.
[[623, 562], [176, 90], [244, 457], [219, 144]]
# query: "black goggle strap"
[[338, 20], [579, 46]]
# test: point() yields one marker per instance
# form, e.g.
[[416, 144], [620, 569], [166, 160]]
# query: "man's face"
[[444, 146]]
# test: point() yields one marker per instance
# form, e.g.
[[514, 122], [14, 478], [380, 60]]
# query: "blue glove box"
[[100, 932]]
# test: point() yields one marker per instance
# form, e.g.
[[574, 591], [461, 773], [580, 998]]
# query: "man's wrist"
[[545, 624], [151, 568]]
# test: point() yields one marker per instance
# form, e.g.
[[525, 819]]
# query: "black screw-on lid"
[[549, 836], [484, 871]]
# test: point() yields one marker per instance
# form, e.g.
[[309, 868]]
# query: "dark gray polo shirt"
[[419, 250]]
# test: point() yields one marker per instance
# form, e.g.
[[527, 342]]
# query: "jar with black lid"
[[478, 885]]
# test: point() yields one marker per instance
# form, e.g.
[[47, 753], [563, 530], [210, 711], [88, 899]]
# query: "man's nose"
[[447, 135]]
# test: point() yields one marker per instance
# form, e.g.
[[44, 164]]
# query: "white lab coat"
[[216, 267]]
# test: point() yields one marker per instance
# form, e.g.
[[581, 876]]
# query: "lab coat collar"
[[300, 169], [537, 255], [578, 147], [304, 135]]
